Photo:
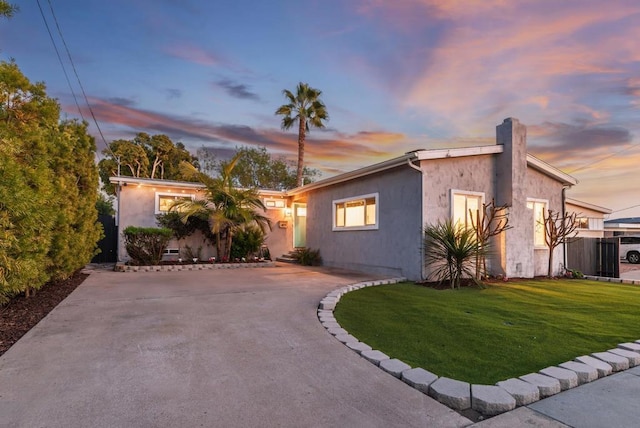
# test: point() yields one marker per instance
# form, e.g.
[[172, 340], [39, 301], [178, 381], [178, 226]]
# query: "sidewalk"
[[608, 402]]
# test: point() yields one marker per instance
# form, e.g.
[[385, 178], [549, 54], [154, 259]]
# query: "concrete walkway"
[[203, 348], [610, 402]]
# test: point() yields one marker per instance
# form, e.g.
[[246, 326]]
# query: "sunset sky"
[[396, 76]]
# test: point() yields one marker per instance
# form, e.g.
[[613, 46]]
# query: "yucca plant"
[[450, 252]]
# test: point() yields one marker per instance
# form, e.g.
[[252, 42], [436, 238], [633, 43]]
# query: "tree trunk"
[[301, 136], [219, 251], [550, 262], [228, 248], [156, 162]]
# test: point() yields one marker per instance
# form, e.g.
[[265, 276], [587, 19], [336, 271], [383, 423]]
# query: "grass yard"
[[484, 336]]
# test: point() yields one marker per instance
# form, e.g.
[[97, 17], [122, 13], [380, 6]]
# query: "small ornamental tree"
[[491, 222], [558, 227]]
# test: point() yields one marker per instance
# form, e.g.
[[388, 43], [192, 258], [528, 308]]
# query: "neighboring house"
[[589, 218], [372, 219], [622, 226]]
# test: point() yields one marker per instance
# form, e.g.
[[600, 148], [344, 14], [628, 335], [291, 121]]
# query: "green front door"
[[299, 225]]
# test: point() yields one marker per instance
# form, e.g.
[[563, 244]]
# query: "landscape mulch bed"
[[21, 314]]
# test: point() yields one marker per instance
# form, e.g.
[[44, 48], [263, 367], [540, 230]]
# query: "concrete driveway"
[[220, 348]]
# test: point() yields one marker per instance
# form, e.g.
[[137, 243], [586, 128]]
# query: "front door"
[[299, 225]]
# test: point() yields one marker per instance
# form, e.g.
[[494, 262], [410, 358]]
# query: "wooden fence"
[[594, 256]]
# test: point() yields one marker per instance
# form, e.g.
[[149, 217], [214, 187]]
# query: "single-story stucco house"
[[589, 218], [372, 219]]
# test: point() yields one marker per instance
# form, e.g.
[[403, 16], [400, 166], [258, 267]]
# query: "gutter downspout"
[[417, 168], [564, 213], [118, 189]]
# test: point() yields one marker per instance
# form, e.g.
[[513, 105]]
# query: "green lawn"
[[484, 336]]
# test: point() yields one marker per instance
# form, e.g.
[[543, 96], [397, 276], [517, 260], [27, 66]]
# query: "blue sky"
[[395, 76]]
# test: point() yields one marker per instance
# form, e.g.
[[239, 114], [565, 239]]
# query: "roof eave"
[[371, 169], [551, 171], [588, 206]]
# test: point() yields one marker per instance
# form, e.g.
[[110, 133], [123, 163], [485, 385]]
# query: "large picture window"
[[357, 213], [539, 208], [465, 208], [164, 201]]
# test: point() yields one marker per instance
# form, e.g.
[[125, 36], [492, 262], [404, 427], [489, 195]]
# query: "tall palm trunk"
[[301, 136]]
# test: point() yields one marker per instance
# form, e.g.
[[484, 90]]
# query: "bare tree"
[[492, 221], [557, 228]]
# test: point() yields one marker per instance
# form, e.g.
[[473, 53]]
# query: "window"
[[539, 208], [358, 213], [275, 203], [582, 223], [164, 201], [465, 208]]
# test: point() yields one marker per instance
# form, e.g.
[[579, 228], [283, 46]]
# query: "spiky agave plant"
[[450, 252]]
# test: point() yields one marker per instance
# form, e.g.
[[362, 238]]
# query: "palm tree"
[[227, 208], [305, 108]]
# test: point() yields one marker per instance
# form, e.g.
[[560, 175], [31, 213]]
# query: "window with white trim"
[[164, 201], [465, 208], [357, 213], [539, 207], [275, 203]]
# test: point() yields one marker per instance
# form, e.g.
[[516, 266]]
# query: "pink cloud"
[[327, 151], [195, 54], [498, 58]]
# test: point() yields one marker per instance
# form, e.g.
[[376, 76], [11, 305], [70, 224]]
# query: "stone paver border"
[[121, 267], [490, 400]]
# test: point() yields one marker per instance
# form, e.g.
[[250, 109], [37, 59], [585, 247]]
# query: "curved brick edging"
[[489, 400], [121, 267]]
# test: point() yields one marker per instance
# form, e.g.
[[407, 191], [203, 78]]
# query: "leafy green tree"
[[26, 182], [228, 208], [104, 205], [75, 178], [7, 9], [48, 187], [305, 109], [257, 168], [144, 156]]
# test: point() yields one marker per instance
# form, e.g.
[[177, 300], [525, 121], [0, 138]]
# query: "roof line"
[[550, 170], [588, 206]]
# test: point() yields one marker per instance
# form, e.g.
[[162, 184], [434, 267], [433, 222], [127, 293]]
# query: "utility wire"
[[64, 70], [75, 71], [632, 146], [624, 209]]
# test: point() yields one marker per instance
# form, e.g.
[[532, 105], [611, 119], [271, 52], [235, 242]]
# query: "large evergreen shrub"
[[48, 188]]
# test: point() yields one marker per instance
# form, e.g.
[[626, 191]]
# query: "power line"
[[64, 70], [75, 71], [624, 209], [632, 146]]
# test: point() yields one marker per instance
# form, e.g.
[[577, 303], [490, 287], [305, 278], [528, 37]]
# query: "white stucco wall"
[[467, 174], [137, 205], [540, 186]]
